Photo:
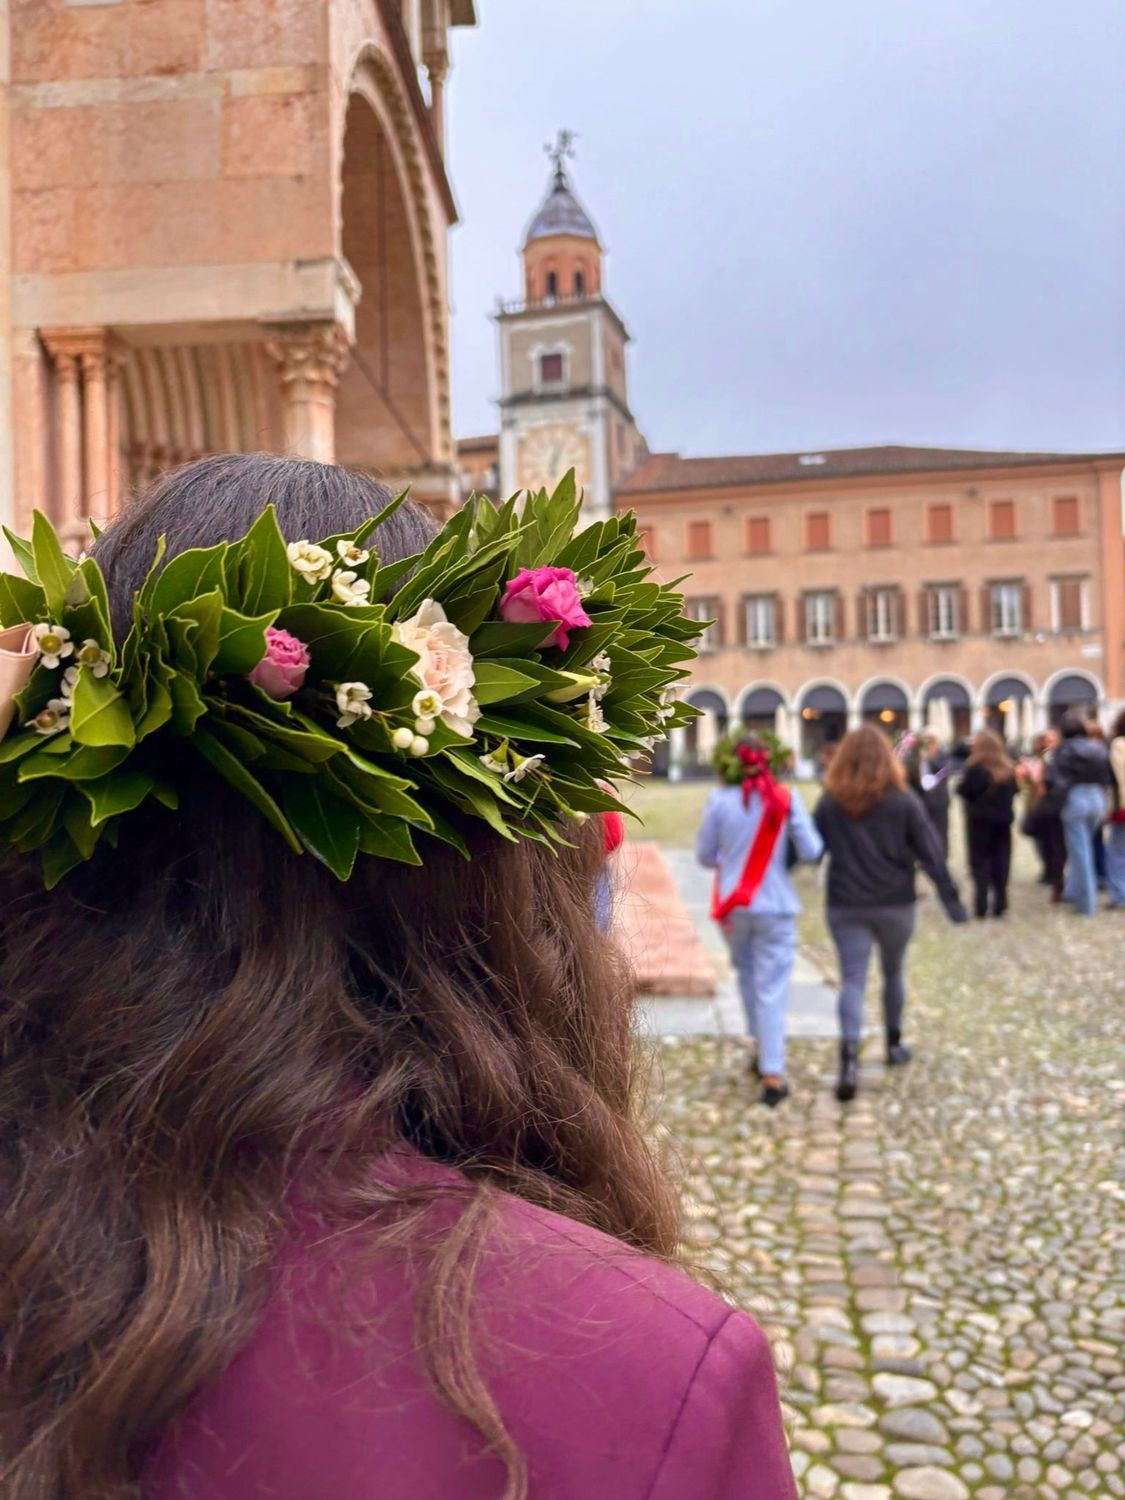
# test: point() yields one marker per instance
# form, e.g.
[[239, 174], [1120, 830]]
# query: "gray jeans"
[[855, 931]]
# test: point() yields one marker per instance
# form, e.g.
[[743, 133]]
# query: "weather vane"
[[562, 151]]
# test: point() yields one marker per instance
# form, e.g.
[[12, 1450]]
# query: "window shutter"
[[963, 623], [860, 616], [1025, 606], [986, 610], [743, 605], [900, 614], [839, 617], [923, 612], [779, 620], [803, 619]]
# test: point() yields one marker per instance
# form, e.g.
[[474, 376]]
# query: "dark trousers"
[[1051, 843], [990, 862]]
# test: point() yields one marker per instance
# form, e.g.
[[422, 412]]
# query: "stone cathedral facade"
[[224, 227]]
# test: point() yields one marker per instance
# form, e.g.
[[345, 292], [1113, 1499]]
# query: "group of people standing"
[[880, 818]]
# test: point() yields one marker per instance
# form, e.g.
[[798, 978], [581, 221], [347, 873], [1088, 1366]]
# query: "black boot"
[[897, 1050], [849, 1071]]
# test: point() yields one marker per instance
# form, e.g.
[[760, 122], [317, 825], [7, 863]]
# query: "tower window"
[[1002, 520], [1065, 509], [579, 284], [552, 284], [550, 369], [818, 535], [699, 543]]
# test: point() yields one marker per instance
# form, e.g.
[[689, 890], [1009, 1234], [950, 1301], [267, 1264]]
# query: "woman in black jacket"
[[988, 789], [876, 834]]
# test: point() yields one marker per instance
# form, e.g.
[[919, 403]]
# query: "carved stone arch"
[[416, 423]]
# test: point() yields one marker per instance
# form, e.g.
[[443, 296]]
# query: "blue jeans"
[[1082, 814], [762, 949], [1115, 863]]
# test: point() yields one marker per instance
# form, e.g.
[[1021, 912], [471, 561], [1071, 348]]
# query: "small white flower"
[[54, 642], [69, 678], [425, 726], [91, 655], [585, 587], [581, 819], [495, 761], [426, 704], [52, 719], [602, 663], [403, 738], [419, 745], [349, 588], [593, 717], [353, 699], [349, 553], [522, 766], [312, 562]]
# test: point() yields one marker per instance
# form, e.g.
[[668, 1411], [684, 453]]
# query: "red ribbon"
[[775, 810]]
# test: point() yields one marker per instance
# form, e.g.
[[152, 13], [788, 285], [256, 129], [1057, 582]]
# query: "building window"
[[881, 608], [551, 369], [579, 284], [706, 609], [1007, 608], [879, 527], [942, 618], [818, 532], [699, 540], [1065, 515], [1068, 605], [761, 621], [758, 535], [1001, 520], [939, 523], [820, 619], [552, 284]]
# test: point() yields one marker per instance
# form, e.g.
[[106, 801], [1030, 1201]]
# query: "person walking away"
[[988, 789], [747, 835], [928, 770], [1041, 821], [1115, 837], [1079, 773], [876, 835], [1096, 732]]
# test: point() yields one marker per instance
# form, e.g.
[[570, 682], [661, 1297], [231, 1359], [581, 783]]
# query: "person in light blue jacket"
[[752, 830]]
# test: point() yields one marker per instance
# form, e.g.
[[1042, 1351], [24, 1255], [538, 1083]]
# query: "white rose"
[[349, 588], [312, 562], [444, 666]]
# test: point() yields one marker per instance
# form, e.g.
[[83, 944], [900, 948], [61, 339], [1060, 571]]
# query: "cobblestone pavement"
[[939, 1266]]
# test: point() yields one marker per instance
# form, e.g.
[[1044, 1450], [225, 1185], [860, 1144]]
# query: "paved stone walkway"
[[941, 1265]]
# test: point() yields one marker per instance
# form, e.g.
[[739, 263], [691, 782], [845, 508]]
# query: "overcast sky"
[[829, 222]]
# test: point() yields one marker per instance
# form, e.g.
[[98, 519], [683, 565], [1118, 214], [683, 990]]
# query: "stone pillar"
[[310, 359], [915, 718], [68, 499], [95, 390], [677, 753]]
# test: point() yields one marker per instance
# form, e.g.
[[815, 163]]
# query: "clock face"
[[546, 453]]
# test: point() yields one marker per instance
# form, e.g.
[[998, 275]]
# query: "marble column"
[[68, 499], [310, 358]]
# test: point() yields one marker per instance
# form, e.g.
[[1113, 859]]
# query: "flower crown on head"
[[519, 665]]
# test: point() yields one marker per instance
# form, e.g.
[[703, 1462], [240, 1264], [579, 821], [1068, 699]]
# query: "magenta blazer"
[[618, 1377]]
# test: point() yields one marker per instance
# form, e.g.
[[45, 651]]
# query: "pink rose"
[[282, 670], [545, 594]]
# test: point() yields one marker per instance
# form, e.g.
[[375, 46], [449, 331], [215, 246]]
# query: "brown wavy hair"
[[184, 1014], [990, 755], [862, 771]]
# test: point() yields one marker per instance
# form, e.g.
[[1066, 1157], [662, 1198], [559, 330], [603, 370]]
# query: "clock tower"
[[564, 400]]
